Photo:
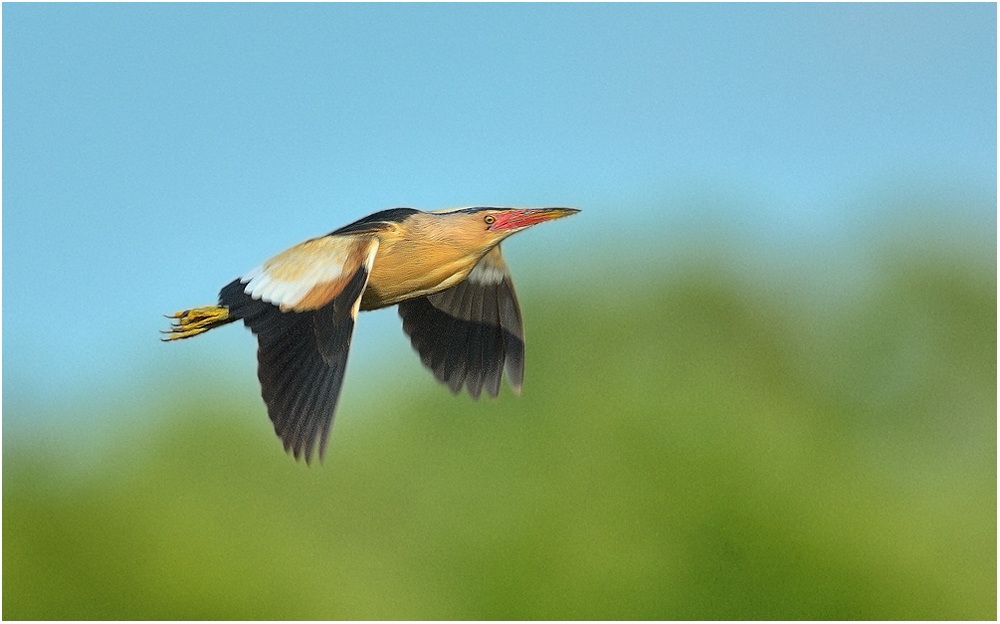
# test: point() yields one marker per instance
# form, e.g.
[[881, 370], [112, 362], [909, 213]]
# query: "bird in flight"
[[443, 269]]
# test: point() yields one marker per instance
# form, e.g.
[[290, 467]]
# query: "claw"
[[196, 321]]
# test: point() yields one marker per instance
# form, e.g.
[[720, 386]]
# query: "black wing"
[[468, 334], [302, 350]]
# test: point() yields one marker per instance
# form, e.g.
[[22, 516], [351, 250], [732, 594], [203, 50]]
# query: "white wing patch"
[[490, 270], [484, 273], [311, 274]]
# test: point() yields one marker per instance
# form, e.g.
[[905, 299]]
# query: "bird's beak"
[[524, 217]]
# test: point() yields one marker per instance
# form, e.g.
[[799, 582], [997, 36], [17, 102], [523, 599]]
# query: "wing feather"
[[474, 345], [309, 275], [470, 333], [302, 305]]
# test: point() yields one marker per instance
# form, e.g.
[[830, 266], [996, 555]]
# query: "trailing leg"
[[199, 320]]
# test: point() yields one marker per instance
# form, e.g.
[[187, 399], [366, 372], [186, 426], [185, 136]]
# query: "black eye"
[[489, 219]]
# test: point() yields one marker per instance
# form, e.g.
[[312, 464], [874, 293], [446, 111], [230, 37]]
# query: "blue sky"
[[155, 151]]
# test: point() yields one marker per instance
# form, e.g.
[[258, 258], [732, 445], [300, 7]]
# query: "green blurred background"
[[761, 362], [695, 444]]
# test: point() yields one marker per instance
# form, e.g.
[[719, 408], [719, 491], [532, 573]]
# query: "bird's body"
[[445, 271]]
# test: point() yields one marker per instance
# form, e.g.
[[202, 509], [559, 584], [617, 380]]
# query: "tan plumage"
[[444, 270]]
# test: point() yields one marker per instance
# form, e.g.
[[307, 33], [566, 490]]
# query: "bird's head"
[[485, 227], [477, 230]]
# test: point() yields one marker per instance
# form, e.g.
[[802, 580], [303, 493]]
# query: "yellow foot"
[[193, 322]]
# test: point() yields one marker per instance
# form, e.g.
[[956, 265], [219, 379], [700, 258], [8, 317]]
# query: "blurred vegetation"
[[698, 448]]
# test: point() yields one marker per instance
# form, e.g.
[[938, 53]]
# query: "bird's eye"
[[489, 219]]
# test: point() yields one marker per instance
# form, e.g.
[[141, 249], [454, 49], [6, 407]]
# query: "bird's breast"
[[406, 269]]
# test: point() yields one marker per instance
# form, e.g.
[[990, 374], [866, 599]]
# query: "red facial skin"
[[524, 217]]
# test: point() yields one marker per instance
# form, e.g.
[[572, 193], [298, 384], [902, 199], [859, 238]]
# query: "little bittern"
[[445, 271]]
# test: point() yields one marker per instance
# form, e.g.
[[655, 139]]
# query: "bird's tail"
[[199, 320]]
